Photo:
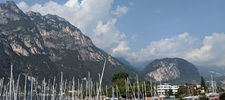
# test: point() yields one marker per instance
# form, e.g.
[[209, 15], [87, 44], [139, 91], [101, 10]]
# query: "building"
[[162, 89]]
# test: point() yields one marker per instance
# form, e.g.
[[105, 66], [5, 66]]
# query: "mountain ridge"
[[172, 70], [45, 46]]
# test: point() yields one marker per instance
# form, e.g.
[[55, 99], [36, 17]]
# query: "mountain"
[[213, 70], [141, 65], [174, 70], [45, 46], [121, 59], [137, 65]]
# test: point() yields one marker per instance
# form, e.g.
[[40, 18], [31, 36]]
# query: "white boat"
[[191, 98]]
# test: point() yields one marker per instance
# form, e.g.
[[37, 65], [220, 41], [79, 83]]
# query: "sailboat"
[[213, 95]]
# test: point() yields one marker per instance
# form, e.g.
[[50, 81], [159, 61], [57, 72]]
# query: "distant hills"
[[208, 71], [121, 59], [171, 70], [218, 74], [174, 70]]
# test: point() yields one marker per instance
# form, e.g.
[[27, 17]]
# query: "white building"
[[161, 89]]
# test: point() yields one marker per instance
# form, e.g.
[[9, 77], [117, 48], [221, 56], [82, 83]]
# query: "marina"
[[81, 89], [86, 89]]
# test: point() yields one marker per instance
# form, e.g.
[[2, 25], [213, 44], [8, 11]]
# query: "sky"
[[144, 30]]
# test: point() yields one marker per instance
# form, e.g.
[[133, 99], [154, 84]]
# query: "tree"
[[203, 97], [119, 75], [203, 83], [182, 91], [170, 92], [222, 96], [118, 80]]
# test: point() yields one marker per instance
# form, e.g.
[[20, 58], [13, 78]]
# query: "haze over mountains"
[[46, 45]]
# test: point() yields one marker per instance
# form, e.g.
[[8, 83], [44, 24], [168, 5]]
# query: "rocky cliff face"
[[47, 45], [171, 70]]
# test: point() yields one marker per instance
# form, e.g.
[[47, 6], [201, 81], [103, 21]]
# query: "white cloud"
[[169, 47], [93, 17], [84, 15], [22, 5], [121, 48], [211, 53], [107, 36], [73, 3], [120, 10]]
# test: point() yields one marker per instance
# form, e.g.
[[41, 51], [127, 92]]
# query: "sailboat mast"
[[151, 89], [61, 87], [138, 88], [73, 89], [89, 86], [212, 84], [101, 80], [10, 83]]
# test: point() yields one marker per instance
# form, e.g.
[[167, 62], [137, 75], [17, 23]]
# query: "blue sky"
[[142, 30], [157, 19]]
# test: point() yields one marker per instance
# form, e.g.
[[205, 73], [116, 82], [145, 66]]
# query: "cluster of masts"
[[32, 89], [84, 89]]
